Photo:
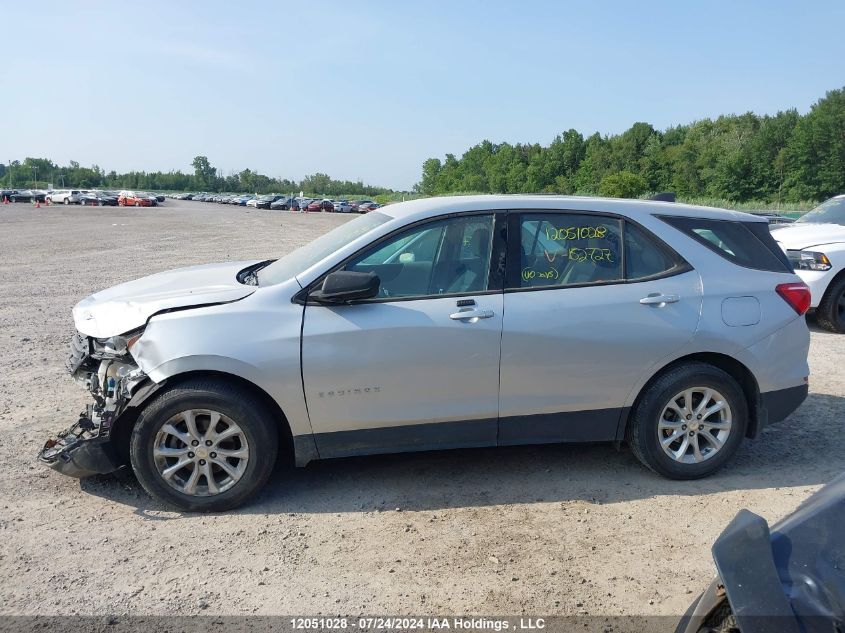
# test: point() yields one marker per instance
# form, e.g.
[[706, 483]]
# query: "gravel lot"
[[535, 530]]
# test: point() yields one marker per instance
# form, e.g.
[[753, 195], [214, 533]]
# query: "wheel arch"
[[731, 366], [290, 451], [839, 276]]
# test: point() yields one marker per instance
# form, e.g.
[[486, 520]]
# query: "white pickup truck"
[[815, 244]]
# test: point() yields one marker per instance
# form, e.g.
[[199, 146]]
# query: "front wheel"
[[204, 446], [688, 422], [831, 311]]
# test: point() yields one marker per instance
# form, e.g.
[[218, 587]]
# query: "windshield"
[[832, 211], [306, 256]]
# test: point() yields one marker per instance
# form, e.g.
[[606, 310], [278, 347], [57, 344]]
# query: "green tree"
[[622, 184], [204, 174], [815, 155]]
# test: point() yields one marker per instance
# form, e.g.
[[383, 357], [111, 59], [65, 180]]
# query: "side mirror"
[[344, 285]]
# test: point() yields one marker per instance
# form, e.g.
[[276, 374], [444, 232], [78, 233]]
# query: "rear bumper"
[[778, 404]]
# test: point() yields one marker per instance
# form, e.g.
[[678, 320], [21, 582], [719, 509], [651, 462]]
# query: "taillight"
[[796, 294]]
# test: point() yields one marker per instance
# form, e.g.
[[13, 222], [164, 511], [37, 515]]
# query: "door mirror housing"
[[343, 286]]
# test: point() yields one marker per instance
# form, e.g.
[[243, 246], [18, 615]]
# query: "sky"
[[369, 90]]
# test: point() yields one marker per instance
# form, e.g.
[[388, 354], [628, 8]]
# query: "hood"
[[128, 306], [806, 234]]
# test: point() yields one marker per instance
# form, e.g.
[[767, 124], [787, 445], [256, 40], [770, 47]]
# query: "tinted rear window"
[[747, 244]]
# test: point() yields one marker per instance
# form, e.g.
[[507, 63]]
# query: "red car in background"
[[320, 205], [131, 199]]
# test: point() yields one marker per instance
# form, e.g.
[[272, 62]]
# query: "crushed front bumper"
[[81, 451]]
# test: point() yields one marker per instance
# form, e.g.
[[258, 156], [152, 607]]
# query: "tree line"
[[33, 173], [786, 157]]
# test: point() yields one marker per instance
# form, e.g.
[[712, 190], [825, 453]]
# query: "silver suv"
[[441, 323]]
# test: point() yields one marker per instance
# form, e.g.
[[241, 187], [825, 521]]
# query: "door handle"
[[659, 300], [471, 314]]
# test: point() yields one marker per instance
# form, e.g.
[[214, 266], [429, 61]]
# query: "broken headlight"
[[121, 344]]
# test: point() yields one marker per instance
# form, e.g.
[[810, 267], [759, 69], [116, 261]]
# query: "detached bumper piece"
[[80, 451]]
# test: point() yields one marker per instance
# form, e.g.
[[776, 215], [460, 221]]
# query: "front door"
[[417, 368], [580, 328]]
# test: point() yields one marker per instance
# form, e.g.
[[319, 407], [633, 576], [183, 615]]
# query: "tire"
[[257, 433], [67, 201], [831, 311], [653, 420]]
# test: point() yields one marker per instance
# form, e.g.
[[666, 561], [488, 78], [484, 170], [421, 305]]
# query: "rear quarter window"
[[746, 244]]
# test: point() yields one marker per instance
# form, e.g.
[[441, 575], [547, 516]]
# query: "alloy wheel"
[[200, 452], [694, 425]]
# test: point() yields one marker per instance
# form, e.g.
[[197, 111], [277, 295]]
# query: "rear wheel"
[[204, 446], [831, 311], [688, 422], [67, 201]]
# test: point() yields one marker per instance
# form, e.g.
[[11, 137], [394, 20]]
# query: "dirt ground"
[[527, 530]]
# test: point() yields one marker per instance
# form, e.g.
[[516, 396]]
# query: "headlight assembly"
[[808, 260]]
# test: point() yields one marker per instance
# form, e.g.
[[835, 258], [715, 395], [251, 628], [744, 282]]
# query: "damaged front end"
[[106, 368], [787, 579]]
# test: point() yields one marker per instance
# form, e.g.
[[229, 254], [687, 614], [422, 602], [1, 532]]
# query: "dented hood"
[[806, 234], [127, 306]]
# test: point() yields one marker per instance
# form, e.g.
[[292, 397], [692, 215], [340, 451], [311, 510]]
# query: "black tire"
[[831, 311], [250, 414], [67, 201], [642, 431]]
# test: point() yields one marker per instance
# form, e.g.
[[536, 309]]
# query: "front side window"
[[303, 258], [566, 249], [442, 257]]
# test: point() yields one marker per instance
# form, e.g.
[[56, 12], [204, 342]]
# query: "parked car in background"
[[357, 203], [27, 195], [98, 199], [367, 207], [697, 342], [264, 202], [775, 219], [327, 206], [342, 206], [65, 196], [285, 203], [815, 244], [314, 206], [132, 199]]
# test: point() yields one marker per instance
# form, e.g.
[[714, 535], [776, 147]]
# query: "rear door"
[[418, 367], [591, 302]]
